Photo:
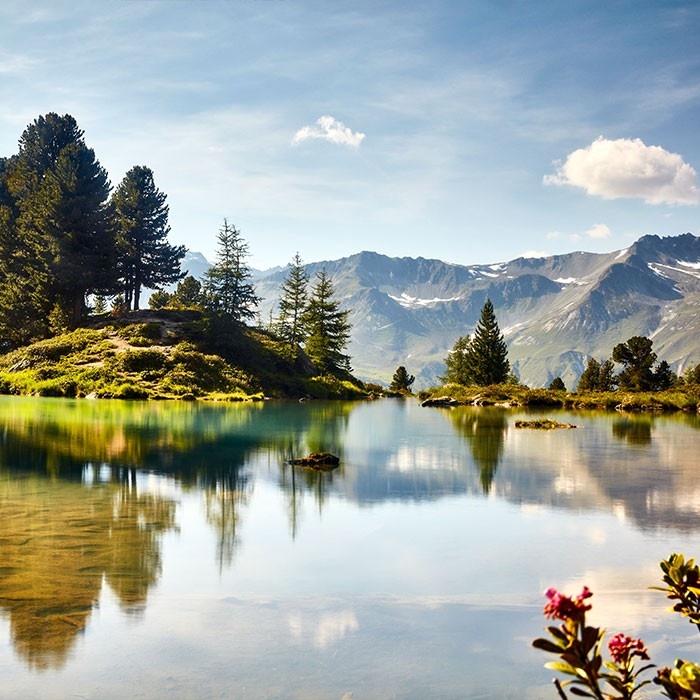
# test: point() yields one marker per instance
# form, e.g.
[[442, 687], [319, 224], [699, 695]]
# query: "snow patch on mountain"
[[694, 270], [410, 302]]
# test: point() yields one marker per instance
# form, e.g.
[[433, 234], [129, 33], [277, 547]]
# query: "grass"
[[166, 356], [682, 398]]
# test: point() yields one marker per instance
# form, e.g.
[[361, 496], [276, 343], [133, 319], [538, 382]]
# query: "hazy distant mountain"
[[195, 264], [555, 312]]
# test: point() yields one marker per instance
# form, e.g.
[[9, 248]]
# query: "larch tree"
[[145, 258], [291, 306], [326, 327], [227, 286]]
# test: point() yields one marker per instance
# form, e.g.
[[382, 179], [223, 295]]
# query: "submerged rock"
[[317, 460], [543, 424], [441, 401]]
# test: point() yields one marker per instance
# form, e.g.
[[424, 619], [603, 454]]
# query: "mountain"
[[555, 312]]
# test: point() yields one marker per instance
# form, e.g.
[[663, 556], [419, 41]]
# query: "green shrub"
[[141, 360], [126, 390], [57, 387], [141, 334]]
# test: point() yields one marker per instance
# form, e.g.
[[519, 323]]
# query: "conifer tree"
[[55, 239], [326, 327], [146, 259], [227, 285], [457, 366], [597, 376], [557, 384], [664, 376], [402, 380], [292, 304], [638, 359], [488, 354], [188, 294]]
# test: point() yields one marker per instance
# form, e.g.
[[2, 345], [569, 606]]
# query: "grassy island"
[[167, 354]]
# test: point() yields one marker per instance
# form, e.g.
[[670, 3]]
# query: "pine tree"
[[487, 356], [598, 376], [402, 380], [664, 376], [291, 306], [638, 359], [55, 234], [146, 259], [326, 327], [226, 284], [188, 294], [78, 226], [557, 384]]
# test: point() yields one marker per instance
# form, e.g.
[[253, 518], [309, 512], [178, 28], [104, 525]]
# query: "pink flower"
[[622, 648], [562, 607]]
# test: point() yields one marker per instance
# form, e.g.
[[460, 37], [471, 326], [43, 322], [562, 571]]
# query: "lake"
[[167, 550]]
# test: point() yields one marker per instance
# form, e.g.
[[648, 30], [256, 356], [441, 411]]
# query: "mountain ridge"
[[555, 312]]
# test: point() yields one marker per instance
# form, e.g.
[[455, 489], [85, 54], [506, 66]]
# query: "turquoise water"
[[167, 550]]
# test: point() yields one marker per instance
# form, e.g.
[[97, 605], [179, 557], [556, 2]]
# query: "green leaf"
[[589, 637], [546, 645], [562, 667], [558, 633], [581, 693]]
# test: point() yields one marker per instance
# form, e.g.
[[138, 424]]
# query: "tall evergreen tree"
[[327, 328], [483, 359], [55, 238], [227, 285], [292, 304], [146, 259], [77, 224]]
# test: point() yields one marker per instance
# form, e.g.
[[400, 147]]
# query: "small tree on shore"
[[456, 365], [557, 384], [597, 376], [402, 380]]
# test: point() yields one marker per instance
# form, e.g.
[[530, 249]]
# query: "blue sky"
[[474, 131]]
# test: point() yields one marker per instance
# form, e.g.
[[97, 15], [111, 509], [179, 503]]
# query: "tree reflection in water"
[[636, 430], [484, 428], [59, 541]]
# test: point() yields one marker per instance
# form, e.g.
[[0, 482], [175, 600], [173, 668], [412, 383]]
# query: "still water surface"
[[166, 550]]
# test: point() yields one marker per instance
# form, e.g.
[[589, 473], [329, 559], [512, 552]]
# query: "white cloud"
[[621, 168], [329, 129], [599, 231]]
